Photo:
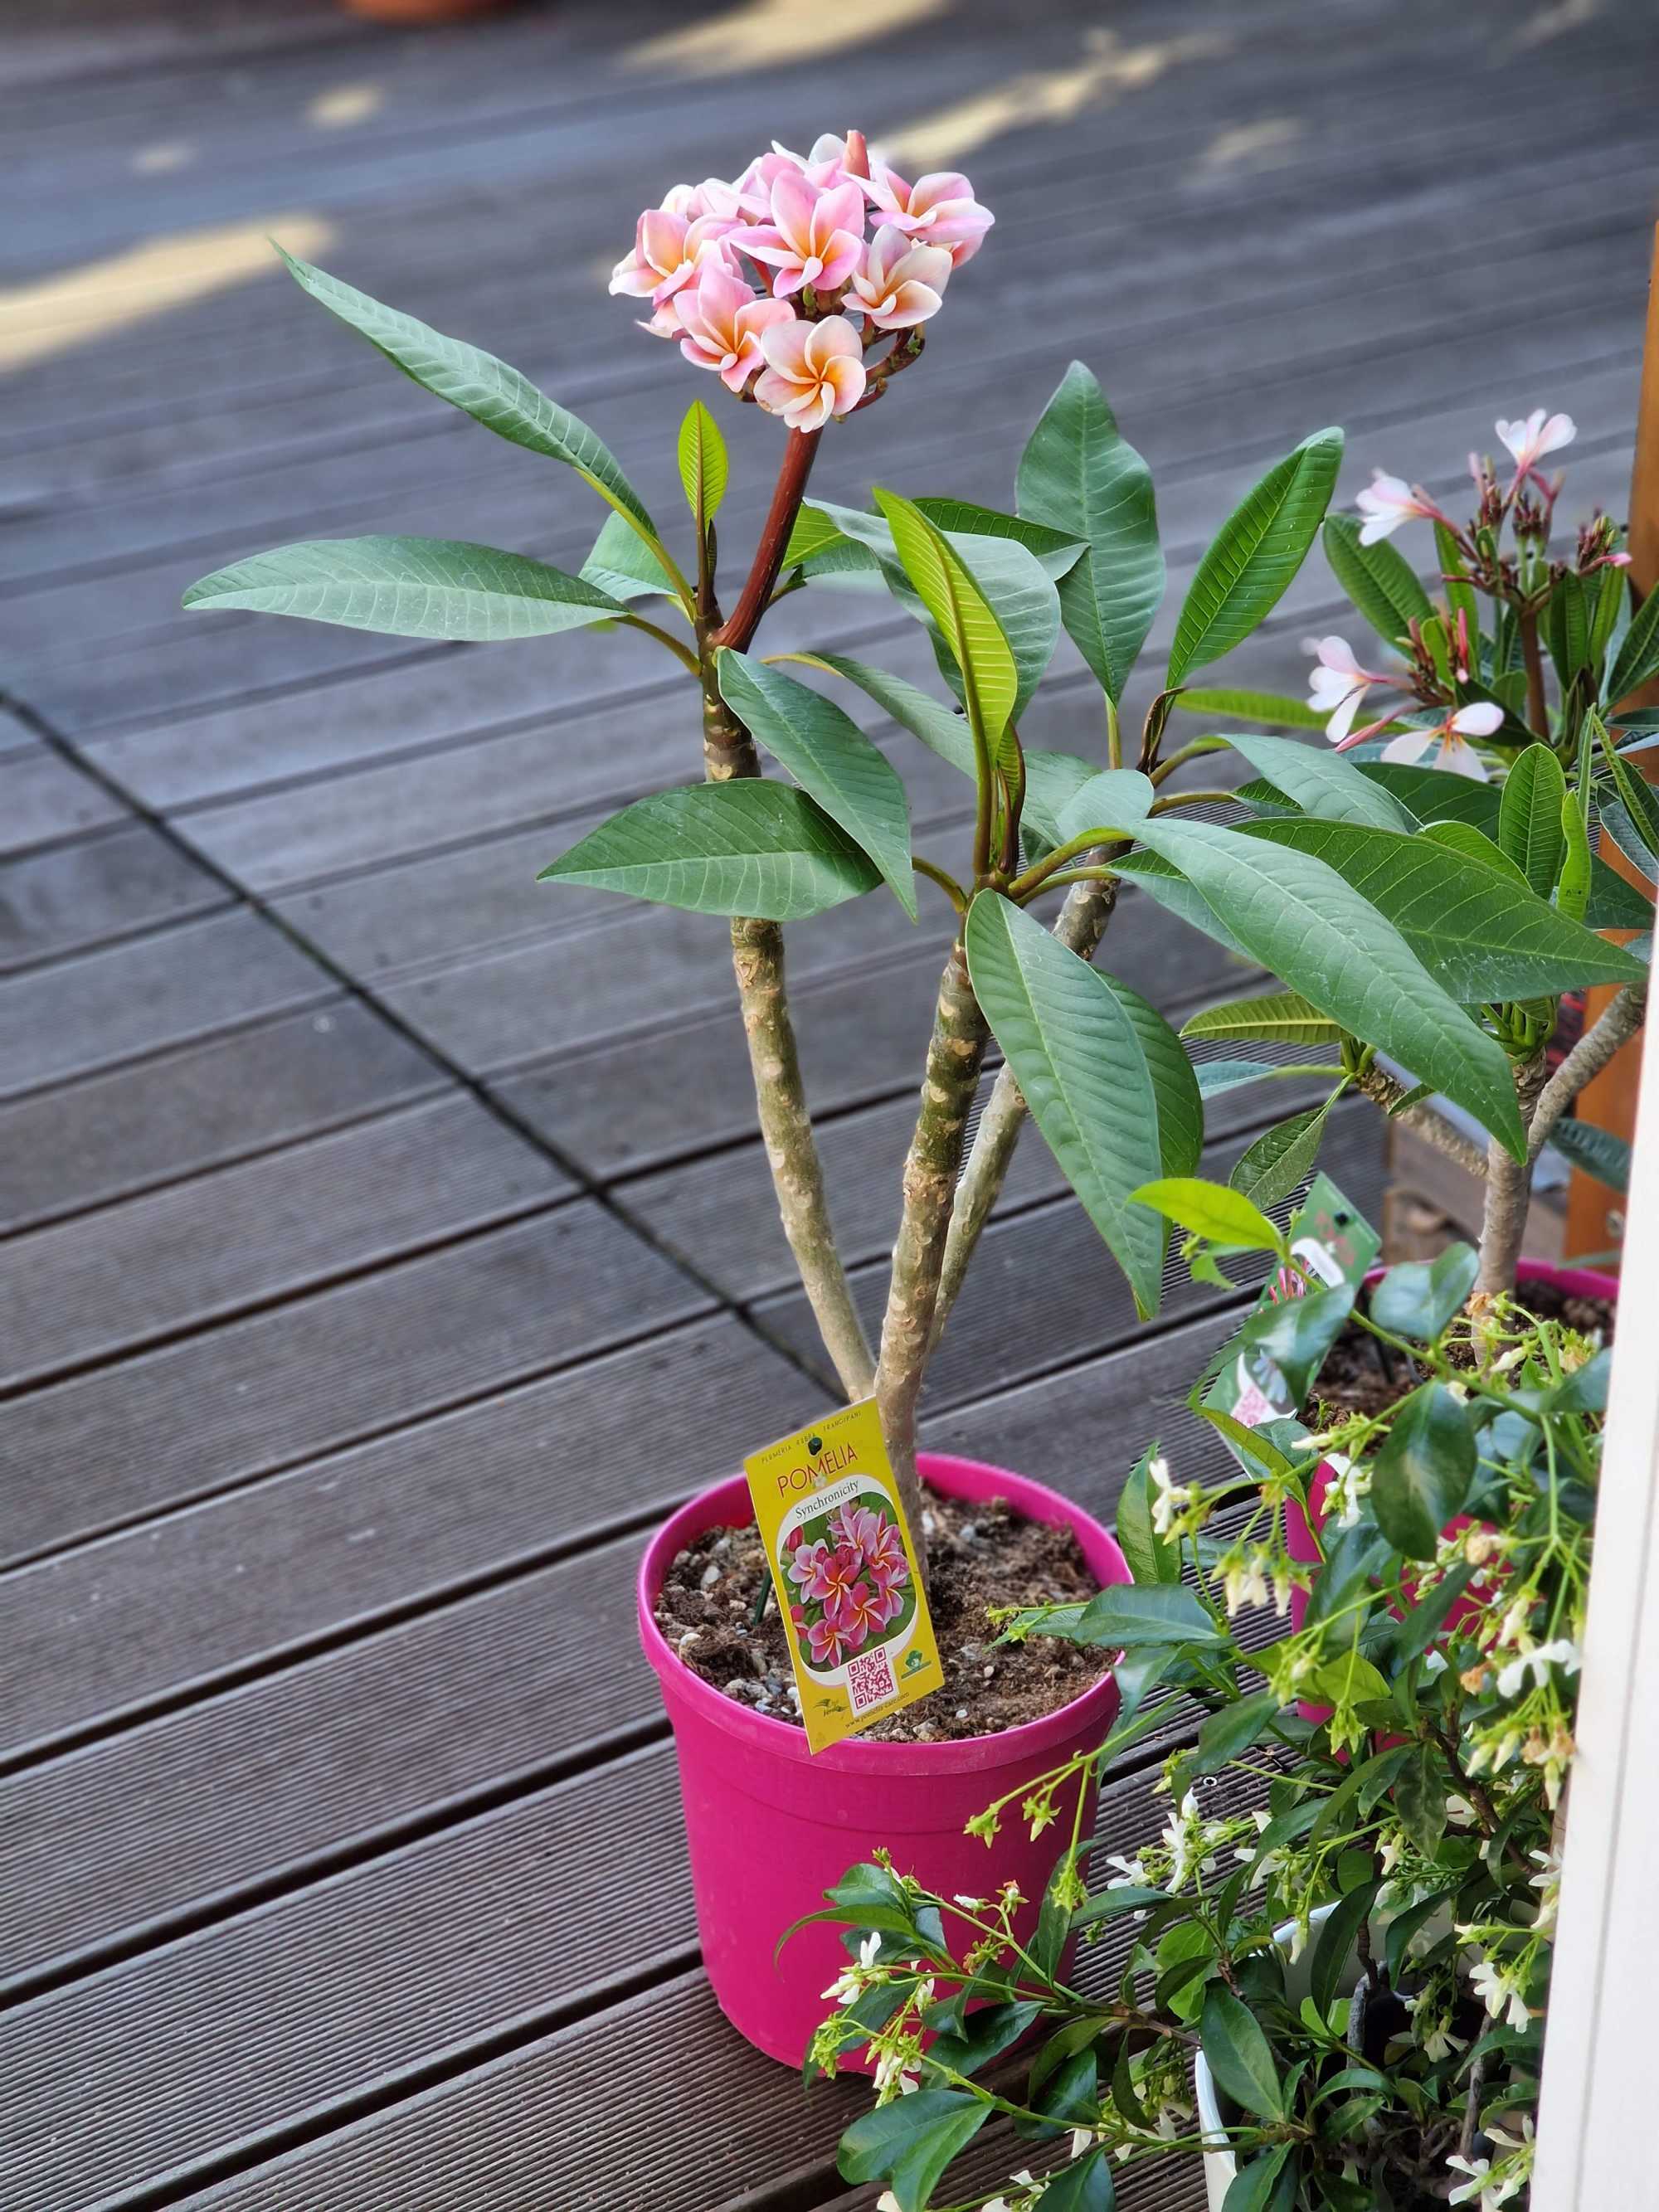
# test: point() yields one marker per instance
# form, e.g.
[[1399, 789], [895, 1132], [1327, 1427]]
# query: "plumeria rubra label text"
[[843, 1567]]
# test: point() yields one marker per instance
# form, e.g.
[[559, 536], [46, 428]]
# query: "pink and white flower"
[[866, 1609], [1387, 502], [813, 237], [1530, 440], [1451, 736], [938, 209], [1337, 685], [813, 371], [721, 322], [833, 1635], [807, 1560], [669, 250], [899, 283]]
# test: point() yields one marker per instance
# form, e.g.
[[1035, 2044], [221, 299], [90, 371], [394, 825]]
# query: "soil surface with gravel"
[[980, 1554], [1361, 1376]]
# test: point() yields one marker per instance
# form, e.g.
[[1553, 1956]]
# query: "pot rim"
[[727, 1504]]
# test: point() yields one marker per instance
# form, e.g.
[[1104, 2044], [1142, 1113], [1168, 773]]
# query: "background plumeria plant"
[[1397, 928], [1362, 1957]]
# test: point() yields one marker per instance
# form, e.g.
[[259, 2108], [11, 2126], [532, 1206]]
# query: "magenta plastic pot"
[[771, 1827], [1300, 1540]]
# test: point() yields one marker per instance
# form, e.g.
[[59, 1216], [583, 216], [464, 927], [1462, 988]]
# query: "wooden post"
[[1594, 2151], [1595, 1215]]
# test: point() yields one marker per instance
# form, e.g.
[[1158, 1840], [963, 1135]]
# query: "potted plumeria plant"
[[1328, 1977], [807, 288]]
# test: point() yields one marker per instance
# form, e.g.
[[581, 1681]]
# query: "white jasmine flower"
[[897, 2069], [1561, 1651], [1477, 2169], [1435, 1662], [851, 1983], [972, 1903], [1082, 2139], [1244, 1581], [1170, 1498], [1496, 1987], [1130, 1872]]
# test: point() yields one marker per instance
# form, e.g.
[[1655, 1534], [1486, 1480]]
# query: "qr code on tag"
[[870, 1680]]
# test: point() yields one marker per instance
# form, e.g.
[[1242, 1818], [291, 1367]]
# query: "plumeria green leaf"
[[1250, 564], [623, 564], [1212, 1209], [1323, 783], [1529, 818], [433, 587], [1377, 578], [1080, 474], [704, 465], [829, 757], [748, 847], [963, 615]]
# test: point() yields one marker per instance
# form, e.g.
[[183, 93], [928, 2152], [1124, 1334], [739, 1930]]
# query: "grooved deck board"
[[115, 884], [88, 1012], [246, 1579], [43, 797], [201, 1106], [137, 1271], [321, 1370]]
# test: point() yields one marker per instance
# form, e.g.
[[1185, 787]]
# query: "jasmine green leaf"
[[1069, 1034], [1136, 1613], [1376, 578], [830, 759], [408, 587], [704, 467], [1250, 563], [910, 2132], [1240, 2056], [479, 384], [1419, 1298], [1422, 1474], [1281, 1159], [1081, 475], [1152, 1557], [1300, 920], [747, 847]]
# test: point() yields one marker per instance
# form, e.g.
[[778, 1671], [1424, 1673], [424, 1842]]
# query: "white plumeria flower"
[[1451, 736], [1389, 501], [1530, 440], [1561, 1651], [1337, 683]]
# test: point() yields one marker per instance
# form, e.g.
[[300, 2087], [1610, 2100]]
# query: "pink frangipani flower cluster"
[[849, 1582], [772, 283]]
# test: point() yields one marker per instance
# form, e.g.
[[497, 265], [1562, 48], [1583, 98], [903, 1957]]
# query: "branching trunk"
[[1592, 1053], [955, 1054], [1081, 922], [786, 1124], [1509, 1189], [1382, 1090]]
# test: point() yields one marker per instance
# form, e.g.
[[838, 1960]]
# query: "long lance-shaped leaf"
[[1081, 476], [941, 728], [1272, 1018], [989, 677], [1638, 656], [408, 587], [1435, 794], [1250, 563], [1077, 1053], [704, 467], [746, 848], [830, 759], [1482, 935], [1300, 918], [623, 564], [1272, 706], [480, 385], [1376, 578], [1321, 783]]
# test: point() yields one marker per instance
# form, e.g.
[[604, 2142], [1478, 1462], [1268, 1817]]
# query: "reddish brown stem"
[[787, 493]]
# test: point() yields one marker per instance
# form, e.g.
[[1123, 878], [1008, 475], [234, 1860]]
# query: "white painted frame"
[[1596, 2121]]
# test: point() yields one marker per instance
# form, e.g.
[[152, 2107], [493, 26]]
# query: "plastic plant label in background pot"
[[771, 1827]]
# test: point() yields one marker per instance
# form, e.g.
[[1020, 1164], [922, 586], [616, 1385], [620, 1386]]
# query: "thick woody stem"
[[786, 1125], [1081, 921], [955, 1053], [1508, 1188], [1380, 1088], [1585, 1062]]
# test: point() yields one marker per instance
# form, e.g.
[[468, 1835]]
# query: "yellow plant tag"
[[844, 1569]]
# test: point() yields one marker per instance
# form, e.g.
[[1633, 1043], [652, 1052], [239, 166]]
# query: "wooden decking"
[[373, 1213]]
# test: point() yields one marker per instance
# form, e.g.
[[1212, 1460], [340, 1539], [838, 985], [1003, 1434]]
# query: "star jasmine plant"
[[1404, 934], [1328, 1976]]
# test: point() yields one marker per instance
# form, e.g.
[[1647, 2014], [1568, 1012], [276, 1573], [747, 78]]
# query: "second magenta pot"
[[771, 1827]]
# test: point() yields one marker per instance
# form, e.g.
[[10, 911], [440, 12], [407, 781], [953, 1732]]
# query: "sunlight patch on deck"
[[1261, 145], [1108, 69], [761, 34], [54, 313], [344, 105]]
